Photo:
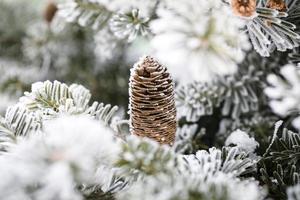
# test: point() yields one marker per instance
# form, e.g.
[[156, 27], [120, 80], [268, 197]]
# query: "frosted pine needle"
[[270, 29], [129, 26], [206, 42]]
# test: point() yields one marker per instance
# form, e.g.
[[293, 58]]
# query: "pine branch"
[[189, 139], [239, 94], [235, 94], [102, 112], [258, 125], [142, 156], [85, 13], [278, 178], [279, 168], [123, 23], [18, 122], [197, 99], [46, 101], [196, 187], [65, 155], [129, 26], [21, 121], [285, 148], [271, 29], [227, 160], [54, 98], [7, 137]]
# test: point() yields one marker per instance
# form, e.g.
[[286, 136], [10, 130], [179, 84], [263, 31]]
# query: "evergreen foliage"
[[234, 102]]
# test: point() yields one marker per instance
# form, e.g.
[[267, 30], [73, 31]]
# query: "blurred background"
[[37, 46]]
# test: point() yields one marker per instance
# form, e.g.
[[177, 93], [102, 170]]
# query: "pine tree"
[[213, 109]]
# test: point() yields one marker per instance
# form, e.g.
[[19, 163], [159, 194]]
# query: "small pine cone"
[[50, 11], [277, 5], [152, 104], [243, 8]]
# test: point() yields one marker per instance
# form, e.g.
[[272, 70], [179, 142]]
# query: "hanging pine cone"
[[152, 104], [244, 8], [277, 5], [50, 11]]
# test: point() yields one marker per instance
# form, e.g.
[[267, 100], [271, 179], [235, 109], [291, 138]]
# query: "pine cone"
[[50, 11], [152, 104], [277, 5], [244, 8]]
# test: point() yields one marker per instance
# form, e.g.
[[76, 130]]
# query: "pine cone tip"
[[146, 66], [279, 5], [243, 8]]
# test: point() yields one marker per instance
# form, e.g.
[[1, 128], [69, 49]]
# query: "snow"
[[242, 140]]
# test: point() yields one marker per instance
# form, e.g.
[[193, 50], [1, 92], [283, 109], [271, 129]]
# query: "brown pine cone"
[[152, 104], [50, 11], [277, 5], [244, 8]]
